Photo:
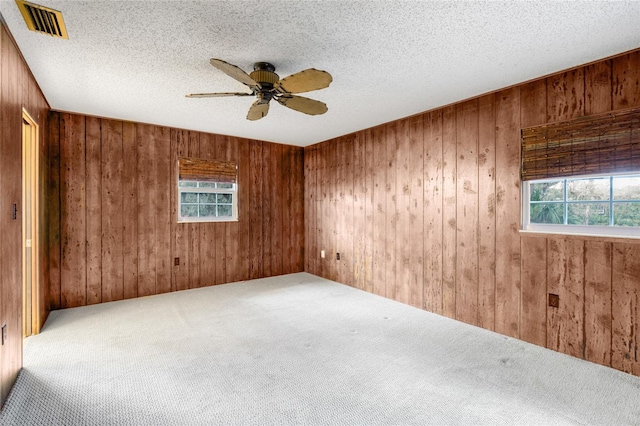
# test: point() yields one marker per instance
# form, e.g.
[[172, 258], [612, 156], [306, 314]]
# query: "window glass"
[[224, 198], [547, 213], [189, 211], [588, 214], [547, 191], [207, 198], [626, 214], [189, 197], [224, 210], [207, 210], [626, 188], [588, 189]]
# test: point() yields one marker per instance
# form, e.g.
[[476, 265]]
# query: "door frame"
[[30, 208]]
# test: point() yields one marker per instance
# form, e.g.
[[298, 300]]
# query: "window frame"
[[208, 190], [609, 230]]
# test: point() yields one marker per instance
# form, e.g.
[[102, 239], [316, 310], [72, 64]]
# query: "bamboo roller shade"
[[605, 143], [207, 170]]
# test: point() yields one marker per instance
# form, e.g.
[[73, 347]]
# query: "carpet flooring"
[[298, 349]]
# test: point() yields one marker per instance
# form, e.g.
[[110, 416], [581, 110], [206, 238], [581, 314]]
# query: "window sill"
[[608, 237], [208, 221]]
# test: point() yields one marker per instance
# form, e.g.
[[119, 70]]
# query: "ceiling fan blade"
[[305, 105], [234, 72], [258, 110], [217, 95], [304, 81]]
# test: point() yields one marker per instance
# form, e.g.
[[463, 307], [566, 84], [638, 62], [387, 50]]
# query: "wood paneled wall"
[[426, 211], [18, 90], [114, 231]]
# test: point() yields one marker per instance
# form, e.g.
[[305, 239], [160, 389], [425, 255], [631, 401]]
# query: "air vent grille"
[[42, 19]]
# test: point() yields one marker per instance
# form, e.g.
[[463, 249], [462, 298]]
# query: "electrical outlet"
[[176, 261], [322, 254], [337, 256], [554, 300]]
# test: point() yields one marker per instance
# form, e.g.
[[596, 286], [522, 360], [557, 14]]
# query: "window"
[[207, 191], [582, 176], [207, 201], [598, 205]]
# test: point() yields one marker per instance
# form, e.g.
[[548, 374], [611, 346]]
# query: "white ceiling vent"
[[42, 19]]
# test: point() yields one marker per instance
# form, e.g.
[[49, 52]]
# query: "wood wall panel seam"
[[193, 149], [467, 221], [130, 227], [93, 212], [54, 195], [487, 211], [449, 208]]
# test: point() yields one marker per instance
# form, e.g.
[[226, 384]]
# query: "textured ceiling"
[[136, 60]]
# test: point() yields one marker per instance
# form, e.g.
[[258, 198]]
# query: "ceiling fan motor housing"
[[263, 73]]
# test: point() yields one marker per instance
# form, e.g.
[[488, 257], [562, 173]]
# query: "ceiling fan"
[[265, 84]]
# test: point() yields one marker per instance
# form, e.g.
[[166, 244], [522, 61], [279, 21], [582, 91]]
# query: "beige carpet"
[[298, 349]]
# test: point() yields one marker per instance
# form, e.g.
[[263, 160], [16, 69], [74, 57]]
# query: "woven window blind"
[[605, 143], [207, 170]]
